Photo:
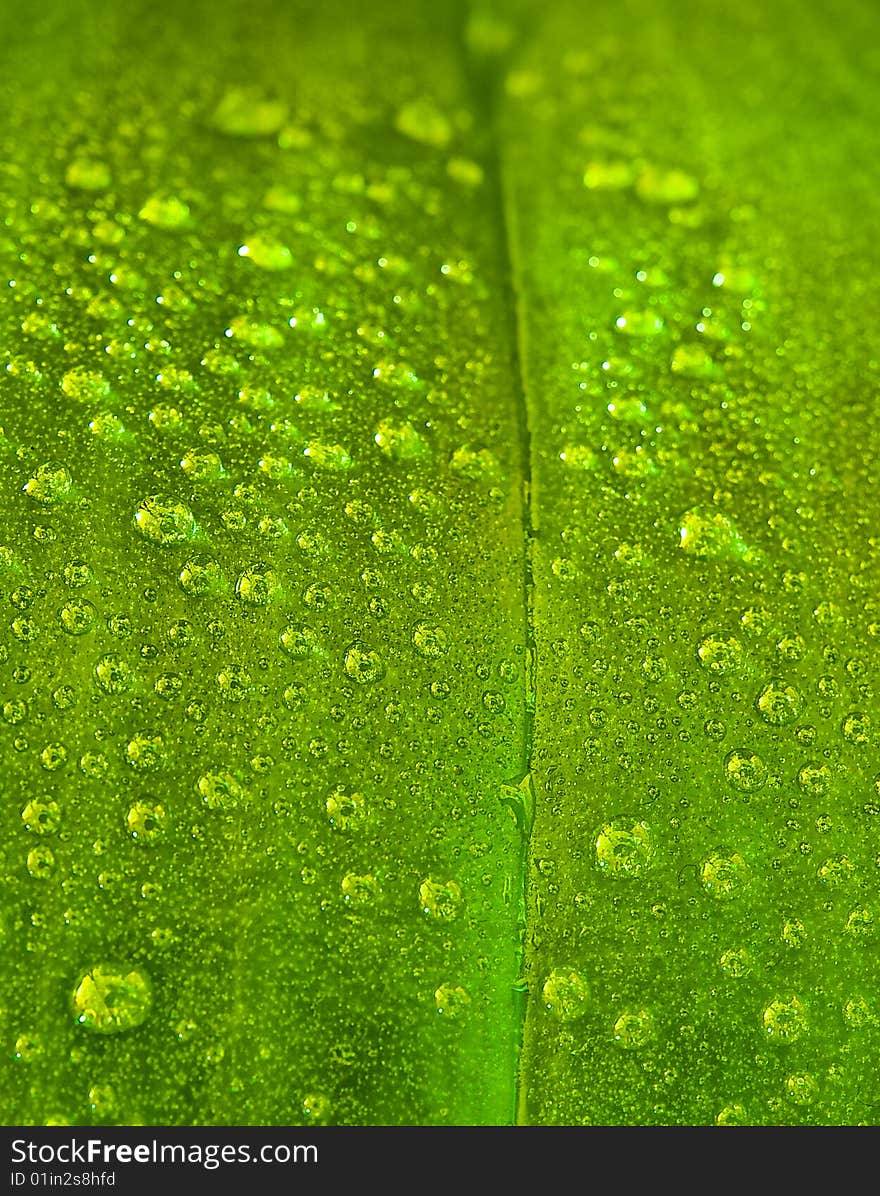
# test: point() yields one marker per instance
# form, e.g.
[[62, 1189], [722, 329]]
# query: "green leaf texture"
[[439, 565]]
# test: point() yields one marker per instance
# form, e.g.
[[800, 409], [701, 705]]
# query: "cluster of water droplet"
[[701, 882], [262, 570]]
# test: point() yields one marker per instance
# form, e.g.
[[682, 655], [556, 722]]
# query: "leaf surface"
[[264, 662], [436, 447]]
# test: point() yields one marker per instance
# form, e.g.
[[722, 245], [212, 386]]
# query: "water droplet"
[[430, 640], [421, 120], [724, 875], [78, 616], [248, 112], [658, 186], [300, 641], [363, 664], [233, 683], [565, 994], [745, 770], [735, 962], [41, 817], [720, 653], [624, 848], [166, 212], [784, 1019], [266, 252], [113, 674], [857, 1013], [856, 727], [145, 752], [359, 890], [791, 647], [110, 998], [475, 463], [333, 457], [282, 199], [201, 577], [835, 871], [794, 933], [202, 466], [451, 1000], [634, 1029], [40, 862], [801, 1089], [465, 172], [77, 574], [639, 323], [345, 810], [85, 386], [219, 790], [164, 520], [53, 756], [50, 484], [705, 532], [146, 823], [814, 779], [442, 900], [399, 441], [87, 174], [94, 765], [733, 1115], [859, 923], [615, 175], [257, 586], [779, 703], [692, 361], [253, 333]]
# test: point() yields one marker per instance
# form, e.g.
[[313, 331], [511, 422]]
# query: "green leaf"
[[691, 189], [436, 448], [264, 648]]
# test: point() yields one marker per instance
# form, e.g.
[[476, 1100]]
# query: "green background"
[[437, 460]]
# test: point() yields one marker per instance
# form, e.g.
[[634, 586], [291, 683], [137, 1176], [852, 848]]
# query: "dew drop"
[[784, 1019], [814, 779], [266, 252], [658, 186], [724, 875], [720, 653], [257, 586], [441, 900], [613, 175], [705, 532], [624, 848], [42, 817], [50, 484], [87, 174], [219, 790], [110, 998], [430, 640], [201, 577], [78, 616], [165, 212], [248, 112], [164, 520], [345, 810], [421, 120], [363, 664], [146, 823], [745, 770], [634, 1029], [113, 673], [145, 752], [565, 994], [779, 703]]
